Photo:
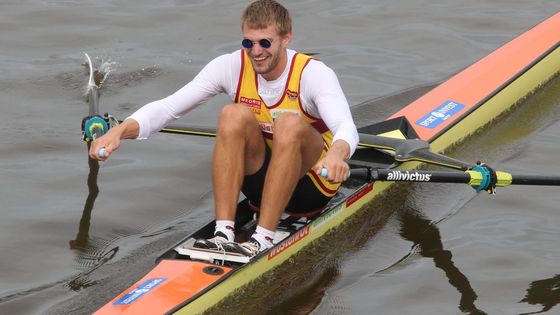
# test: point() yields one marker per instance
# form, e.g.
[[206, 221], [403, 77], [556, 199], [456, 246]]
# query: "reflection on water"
[[89, 252], [424, 233], [545, 292], [311, 294], [81, 241]]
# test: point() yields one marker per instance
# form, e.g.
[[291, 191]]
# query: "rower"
[[289, 119]]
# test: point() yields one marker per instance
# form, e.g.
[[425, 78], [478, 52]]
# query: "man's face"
[[268, 62]]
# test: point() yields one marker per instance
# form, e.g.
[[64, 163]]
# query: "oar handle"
[[325, 173]]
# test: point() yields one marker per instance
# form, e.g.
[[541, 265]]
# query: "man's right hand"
[[112, 139], [109, 142]]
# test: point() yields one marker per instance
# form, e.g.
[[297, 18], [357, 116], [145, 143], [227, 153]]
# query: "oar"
[[94, 125], [404, 149], [480, 177], [191, 131]]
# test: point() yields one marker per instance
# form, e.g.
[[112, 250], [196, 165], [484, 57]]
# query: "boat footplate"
[[219, 256], [209, 255]]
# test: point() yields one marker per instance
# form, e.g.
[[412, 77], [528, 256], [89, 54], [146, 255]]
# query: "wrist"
[[340, 149], [128, 129]]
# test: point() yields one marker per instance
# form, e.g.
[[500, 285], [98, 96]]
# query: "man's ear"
[[287, 40]]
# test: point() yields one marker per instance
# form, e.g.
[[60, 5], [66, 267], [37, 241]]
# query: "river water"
[[445, 250]]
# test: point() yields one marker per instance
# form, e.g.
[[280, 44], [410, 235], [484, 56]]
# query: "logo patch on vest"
[[254, 104], [292, 95], [274, 113]]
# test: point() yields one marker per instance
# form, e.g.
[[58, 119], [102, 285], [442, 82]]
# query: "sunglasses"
[[248, 44]]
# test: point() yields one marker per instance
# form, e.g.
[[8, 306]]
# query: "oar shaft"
[[479, 177], [472, 177], [93, 100], [535, 180]]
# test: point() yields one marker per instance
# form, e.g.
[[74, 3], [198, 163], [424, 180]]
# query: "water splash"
[[100, 73]]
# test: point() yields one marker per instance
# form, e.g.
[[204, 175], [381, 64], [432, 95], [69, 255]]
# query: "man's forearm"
[[128, 129]]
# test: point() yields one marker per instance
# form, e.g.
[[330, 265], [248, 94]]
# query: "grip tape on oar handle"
[[102, 152], [325, 173]]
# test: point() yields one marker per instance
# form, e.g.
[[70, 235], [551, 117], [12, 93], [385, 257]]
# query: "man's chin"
[[261, 70]]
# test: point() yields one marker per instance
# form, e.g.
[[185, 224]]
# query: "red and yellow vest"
[[247, 93]]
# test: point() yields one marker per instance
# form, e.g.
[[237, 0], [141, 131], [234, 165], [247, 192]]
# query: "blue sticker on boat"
[[440, 114], [139, 291]]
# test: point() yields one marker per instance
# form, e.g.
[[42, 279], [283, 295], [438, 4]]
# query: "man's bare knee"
[[290, 128], [233, 118]]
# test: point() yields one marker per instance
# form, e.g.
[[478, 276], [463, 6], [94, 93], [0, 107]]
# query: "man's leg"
[[297, 146], [239, 151]]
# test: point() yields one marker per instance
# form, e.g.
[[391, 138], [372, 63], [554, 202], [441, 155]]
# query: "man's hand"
[[112, 139], [335, 162]]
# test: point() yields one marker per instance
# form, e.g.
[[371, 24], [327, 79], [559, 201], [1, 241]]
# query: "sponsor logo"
[[254, 104], [274, 113], [408, 176], [298, 236], [251, 102], [359, 195], [292, 95], [139, 291], [440, 114], [327, 217]]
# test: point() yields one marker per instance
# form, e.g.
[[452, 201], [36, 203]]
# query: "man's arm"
[[213, 79], [322, 94]]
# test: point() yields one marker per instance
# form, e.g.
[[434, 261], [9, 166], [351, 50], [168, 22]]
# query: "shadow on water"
[[81, 242], [545, 292], [311, 294], [425, 235], [414, 227], [90, 252]]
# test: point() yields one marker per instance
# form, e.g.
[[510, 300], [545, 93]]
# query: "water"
[[63, 255]]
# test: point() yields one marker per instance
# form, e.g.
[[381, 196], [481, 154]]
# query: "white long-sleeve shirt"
[[320, 94]]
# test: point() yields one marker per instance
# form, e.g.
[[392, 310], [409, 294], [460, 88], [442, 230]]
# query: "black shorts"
[[307, 198]]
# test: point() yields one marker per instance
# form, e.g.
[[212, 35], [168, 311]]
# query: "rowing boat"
[[190, 281]]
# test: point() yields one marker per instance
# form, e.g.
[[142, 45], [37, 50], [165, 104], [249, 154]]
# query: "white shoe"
[[249, 249], [217, 242]]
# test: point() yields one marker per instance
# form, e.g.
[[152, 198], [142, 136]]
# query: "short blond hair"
[[263, 13]]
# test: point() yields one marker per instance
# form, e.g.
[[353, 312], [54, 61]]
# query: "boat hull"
[[444, 117]]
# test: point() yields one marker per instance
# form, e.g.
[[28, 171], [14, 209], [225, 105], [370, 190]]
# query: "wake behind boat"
[[188, 280]]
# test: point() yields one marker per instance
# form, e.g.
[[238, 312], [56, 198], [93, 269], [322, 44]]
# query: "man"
[[289, 120]]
